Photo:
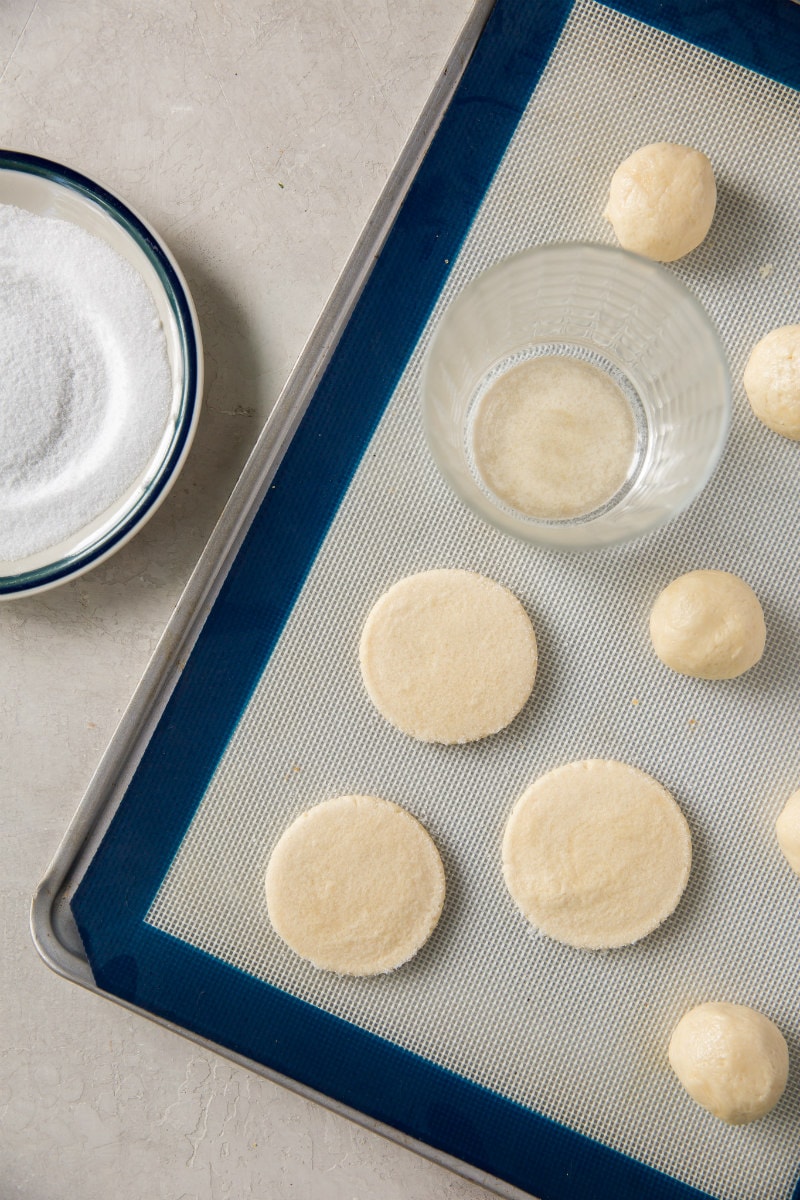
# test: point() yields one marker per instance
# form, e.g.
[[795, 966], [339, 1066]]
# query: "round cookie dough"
[[731, 1059], [787, 831], [596, 854], [355, 885], [448, 656], [772, 381], [708, 624], [661, 200]]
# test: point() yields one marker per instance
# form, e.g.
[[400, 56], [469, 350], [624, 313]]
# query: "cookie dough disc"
[[787, 830], [772, 381], [708, 624], [661, 200], [596, 854], [731, 1059], [448, 656], [355, 885]]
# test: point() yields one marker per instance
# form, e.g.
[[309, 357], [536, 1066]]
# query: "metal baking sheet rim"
[[52, 926]]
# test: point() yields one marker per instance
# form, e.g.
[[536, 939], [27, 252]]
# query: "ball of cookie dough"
[[787, 831], [448, 656], [772, 381], [661, 200], [355, 885], [731, 1059], [708, 624]]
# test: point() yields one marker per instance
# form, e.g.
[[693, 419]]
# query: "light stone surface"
[[256, 137]]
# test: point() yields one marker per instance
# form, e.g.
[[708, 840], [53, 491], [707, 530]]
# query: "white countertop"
[[256, 137]]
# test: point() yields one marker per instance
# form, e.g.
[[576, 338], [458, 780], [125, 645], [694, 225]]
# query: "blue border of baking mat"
[[176, 981]]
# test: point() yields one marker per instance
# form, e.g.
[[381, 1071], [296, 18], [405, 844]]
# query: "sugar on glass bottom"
[[556, 434]]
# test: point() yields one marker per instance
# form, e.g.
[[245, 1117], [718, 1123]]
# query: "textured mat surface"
[[580, 1037]]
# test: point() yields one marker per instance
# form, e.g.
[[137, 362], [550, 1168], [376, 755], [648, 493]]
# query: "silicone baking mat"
[[543, 1065]]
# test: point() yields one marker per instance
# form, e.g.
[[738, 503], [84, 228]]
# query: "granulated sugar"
[[85, 382]]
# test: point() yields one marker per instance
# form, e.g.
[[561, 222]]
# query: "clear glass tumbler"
[[625, 314]]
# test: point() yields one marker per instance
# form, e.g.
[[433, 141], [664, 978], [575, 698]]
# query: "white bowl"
[[48, 189], [623, 313]]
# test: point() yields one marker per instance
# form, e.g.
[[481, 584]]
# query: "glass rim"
[[544, 534]]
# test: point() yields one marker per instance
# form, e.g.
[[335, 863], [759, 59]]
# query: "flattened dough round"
[[596, 854], [355, 885], [731, 1059], [661, 200], [787, 830], [772, 381], [448, 656], [708, 624]]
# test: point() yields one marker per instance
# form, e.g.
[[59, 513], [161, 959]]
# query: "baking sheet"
[[578, 1037]]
